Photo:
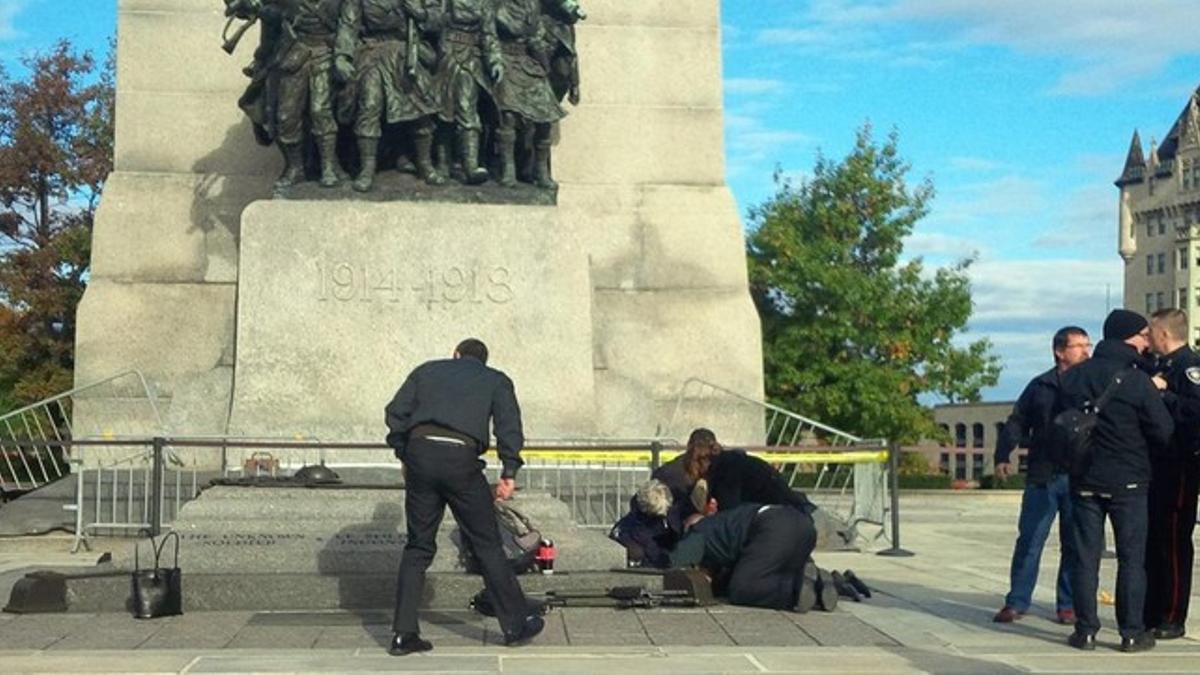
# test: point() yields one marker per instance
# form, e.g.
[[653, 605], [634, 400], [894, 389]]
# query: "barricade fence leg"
[[894, 470]]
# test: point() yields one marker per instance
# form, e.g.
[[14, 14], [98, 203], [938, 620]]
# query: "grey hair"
[[654, 498]]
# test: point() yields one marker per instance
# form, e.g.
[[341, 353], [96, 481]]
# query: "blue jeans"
[[1039, 506]]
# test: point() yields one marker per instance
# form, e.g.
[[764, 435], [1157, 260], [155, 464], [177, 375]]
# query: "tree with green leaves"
[[854, 334], [56, 149]]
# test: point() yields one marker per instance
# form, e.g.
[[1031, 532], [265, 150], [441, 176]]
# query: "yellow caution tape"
[[644, 456]]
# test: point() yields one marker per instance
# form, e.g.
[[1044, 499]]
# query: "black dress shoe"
[[408, 643], [529, 630], [844, 588], [1141, 643], [857, 583], [806, 594], [1086, 641], [1169, 631], [827, 594]]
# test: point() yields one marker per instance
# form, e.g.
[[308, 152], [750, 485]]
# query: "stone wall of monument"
[[642, 191]]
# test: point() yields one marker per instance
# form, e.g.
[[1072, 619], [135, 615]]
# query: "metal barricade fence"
[[32, 453], [148, 481]]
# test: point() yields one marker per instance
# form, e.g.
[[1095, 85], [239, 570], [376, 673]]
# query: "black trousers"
[[436, 475], [780, 541], [1128, 512], [1169, 550]]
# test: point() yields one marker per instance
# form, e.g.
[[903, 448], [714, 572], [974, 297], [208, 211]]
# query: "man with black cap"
[[1176, 479], [1113, 475], [438, 423]]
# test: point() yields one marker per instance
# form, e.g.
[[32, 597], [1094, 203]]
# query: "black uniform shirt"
[[717, 540], [735, 477], [459, 394], [1181, 369]]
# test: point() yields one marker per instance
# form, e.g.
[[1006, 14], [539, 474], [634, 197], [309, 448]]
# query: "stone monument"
[[266, 310]]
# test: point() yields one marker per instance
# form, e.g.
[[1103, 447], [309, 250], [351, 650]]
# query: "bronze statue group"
[[443, 88]]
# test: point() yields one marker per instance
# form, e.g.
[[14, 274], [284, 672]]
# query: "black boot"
[[473, 174], [293, 165], [506, 139], [327, 146], [366, 154], [806, 589], [541, 166], [423, 145], [827, 594], [1141, 643]]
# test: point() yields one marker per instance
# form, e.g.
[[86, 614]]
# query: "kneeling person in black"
[[763, 550], [438, 424]]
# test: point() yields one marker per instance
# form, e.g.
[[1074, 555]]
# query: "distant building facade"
[[972, 429], [1159, 220]]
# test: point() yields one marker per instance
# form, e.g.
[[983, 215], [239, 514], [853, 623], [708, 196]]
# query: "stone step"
[[107, 590]]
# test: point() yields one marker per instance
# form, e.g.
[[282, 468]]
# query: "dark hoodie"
[[1134, 424]]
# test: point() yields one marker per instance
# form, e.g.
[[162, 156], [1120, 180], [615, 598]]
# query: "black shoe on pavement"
[[408, 643], [844, 588], [1169, 631], [533, 625], [1085, 641], [806, 596], [857, 583], [1141, 643], [827, 594]]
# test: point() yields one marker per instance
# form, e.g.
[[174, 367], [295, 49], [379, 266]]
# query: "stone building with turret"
[[1159, 217]]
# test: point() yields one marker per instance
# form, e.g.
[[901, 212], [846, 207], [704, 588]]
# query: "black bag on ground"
[[1074, 426], [157, 591]]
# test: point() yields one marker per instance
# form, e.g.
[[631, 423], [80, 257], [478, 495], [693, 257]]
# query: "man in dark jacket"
[[1176, 477], [438, 423], [1113, 478], [1047, 488], [761, 550]]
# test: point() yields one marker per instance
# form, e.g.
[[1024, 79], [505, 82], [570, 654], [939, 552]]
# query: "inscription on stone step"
[[346, 540], [343, 281]]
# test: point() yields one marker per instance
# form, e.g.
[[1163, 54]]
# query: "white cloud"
[[937, 245], [752, 143], [9, 9], [1010, 293], [1010, 196], [1105, 43]]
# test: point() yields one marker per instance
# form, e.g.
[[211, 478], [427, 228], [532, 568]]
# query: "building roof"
[[1135, 163], [1187, 118]]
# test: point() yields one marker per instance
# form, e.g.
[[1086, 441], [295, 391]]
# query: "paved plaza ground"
[[930, 613]]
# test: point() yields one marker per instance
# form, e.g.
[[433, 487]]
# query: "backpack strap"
[[1110, 390]]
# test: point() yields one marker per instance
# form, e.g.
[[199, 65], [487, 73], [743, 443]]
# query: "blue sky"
[[1020, 110]]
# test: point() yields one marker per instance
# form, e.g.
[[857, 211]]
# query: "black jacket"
[[717, 540], [1134, 424], [1031, 421], [735, 478], [463, 395], [1181, 369]]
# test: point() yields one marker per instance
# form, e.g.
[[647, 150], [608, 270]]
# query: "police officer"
[[1176, 475], [1113, 478], [438, 424], [760, 549], [1047, 490]]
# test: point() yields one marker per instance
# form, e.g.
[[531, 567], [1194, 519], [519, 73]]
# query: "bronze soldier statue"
[[524, 97], [379, 51], [558, 20], [292, 81], [469, 63]]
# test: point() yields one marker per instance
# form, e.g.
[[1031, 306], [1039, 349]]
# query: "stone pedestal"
[[634, 283], [338, 301]]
